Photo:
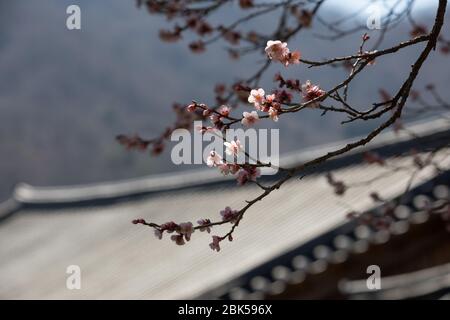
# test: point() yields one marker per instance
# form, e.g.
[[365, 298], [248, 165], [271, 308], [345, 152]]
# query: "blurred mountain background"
[[65, 95]]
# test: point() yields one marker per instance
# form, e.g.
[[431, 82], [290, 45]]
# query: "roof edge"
[[8, 208]]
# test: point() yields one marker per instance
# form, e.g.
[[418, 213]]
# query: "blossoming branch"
[[291, 96]]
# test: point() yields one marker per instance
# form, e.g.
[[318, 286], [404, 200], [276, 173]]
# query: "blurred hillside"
[[65, 95]]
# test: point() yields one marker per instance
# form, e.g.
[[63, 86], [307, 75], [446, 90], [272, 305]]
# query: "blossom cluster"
[[182, 232], [311, 92], [217, 117], [265, 103], [268, 103], [244, 173], [272, 103]]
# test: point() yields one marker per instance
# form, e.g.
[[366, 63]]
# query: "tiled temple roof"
[[46, 229]]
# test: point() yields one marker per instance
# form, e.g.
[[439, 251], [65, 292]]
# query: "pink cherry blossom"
[[276, 50], [169, 227], [248, 174], [242, 177], [273, 114], [292, 58], [214, 159], [215, 244], [224, 111], [265, 108], [254, 173], [232, 168], [229, 215], [224, 169], [186, 229], [215, 118], [233, 147], [310, 92], [191, 107], [257, 97], [270, 98], [203, 222], [250, 118]]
